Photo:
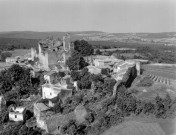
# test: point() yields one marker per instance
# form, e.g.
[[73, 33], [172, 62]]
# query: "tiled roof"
[[41, 106]]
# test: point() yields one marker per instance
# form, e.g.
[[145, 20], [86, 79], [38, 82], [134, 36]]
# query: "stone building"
[[12, 60], [53, 52]]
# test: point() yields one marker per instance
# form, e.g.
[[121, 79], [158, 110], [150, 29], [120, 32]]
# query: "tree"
[[69, 128], [90, 118], [145, 82], [76, 61], [105, 71], [98, 52], [61, 74], [85, 80], [149, 108], [4, 55], [24, 130], [83, 47], [75, 75]]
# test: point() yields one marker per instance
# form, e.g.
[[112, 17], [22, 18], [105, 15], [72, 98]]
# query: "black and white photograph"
[[87, 67]]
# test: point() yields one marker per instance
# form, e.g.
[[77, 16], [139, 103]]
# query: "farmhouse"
[[17, 114], [12, 60]]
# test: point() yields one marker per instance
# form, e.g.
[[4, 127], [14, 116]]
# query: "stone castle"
[[52, 53]]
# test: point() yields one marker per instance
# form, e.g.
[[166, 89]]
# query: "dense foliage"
[[4, 55], [105, 109], [20, 129], [145, 82], [17, 43], [160, 54], [83, 47], [76, 61], [16, 82]]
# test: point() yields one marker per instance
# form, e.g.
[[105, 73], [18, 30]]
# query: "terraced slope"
[[159, 79]]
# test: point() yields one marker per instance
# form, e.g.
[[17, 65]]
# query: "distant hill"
[[42, 35], [17, 43], [168, 38], [77, 34]]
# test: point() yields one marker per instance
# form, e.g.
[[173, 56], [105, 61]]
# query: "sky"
[[117, 16]]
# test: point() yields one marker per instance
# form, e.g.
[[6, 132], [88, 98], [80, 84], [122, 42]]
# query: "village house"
[[94, 69], [17, 113], [50, 91], [55, 84], [52, 123], [12, 60]]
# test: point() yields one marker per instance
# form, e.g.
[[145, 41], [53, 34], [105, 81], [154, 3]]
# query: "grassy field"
[[20, 52], [157, 89], [143, 126], [136, 128]]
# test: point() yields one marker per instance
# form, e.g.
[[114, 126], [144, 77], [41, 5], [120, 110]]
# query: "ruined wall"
[[138, 67], [66, 42], [33, 53], [43, 58]]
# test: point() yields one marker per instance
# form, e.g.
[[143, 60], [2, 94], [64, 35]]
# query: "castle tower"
[[40, 49], [46, 63], [66, 42], [64, 57], [138, 67]]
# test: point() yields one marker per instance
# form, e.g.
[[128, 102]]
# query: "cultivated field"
[[161, 71]]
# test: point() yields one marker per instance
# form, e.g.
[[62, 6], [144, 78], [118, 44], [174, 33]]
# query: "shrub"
[[145, 82], [105, 71], [4, 55]]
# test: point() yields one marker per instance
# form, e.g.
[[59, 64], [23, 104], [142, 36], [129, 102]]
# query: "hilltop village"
[[74, 91]]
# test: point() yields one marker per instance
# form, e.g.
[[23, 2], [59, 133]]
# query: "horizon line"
[[81, 31]]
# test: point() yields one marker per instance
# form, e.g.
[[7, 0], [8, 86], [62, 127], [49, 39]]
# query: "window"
[[15, 116], [50, 93]]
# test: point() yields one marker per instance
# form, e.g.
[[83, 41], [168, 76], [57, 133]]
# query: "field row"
[[159, 79], [166, 72]]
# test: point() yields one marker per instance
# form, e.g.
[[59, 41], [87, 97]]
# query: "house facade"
[[17, 114], [50, 91]]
